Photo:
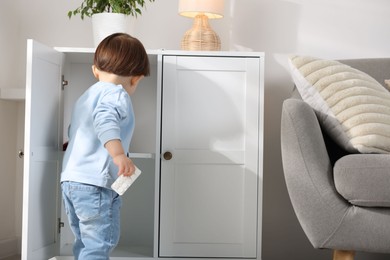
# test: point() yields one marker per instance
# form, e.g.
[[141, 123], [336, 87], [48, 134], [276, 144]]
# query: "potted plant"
[[109, 16]]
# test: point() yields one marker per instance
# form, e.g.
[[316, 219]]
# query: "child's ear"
[[95, 71], [135, 80]]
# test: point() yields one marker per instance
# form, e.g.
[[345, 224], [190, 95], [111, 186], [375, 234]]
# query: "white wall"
[[323, 28], [8, 119], [7, 169]]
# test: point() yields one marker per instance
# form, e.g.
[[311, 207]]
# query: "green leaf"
[[90, 7]]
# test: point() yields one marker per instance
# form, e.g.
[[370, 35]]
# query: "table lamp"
[[201, 37]]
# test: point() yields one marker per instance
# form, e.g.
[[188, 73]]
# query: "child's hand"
[[125, 165]]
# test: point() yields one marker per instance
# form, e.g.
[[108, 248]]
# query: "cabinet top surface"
[[173, 52]]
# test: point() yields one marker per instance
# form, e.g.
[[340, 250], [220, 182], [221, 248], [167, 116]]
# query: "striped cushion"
[[352, 106]]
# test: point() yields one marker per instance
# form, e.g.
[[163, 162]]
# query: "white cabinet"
[[198, 141]]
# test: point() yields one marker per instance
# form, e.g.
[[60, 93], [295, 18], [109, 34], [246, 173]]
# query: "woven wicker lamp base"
[[201, 37]]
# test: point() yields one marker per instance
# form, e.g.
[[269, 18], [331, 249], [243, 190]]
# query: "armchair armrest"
[[308, 173]]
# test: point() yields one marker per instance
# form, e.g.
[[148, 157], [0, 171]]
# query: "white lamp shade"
[[213, 9]]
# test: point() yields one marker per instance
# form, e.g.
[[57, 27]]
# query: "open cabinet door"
[[42, 160]]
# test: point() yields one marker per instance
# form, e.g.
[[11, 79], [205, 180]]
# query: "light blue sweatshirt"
[[103, 113]]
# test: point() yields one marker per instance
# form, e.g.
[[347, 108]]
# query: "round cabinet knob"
[[20, 153], [167, 156]]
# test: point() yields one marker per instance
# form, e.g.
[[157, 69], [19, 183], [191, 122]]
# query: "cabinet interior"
[[139, 203]]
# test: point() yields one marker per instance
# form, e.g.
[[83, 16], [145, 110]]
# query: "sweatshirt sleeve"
[[109, 112]]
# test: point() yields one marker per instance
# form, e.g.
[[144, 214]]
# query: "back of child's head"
[[123, 55]]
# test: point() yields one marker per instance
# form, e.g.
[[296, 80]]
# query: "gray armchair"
[[341, 200]]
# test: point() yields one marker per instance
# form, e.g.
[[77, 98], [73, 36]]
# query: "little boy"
[[101, 128]]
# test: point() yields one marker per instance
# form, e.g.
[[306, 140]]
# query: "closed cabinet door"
[[209, 163], [40, 234]]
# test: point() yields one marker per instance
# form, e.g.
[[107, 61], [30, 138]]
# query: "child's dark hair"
[[123, 55]]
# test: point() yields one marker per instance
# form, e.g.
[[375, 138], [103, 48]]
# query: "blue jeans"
[[94, 217]]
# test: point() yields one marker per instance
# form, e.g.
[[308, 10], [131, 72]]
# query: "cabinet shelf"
[[142, 155], [139, 155], [17, 94], [119, 252]]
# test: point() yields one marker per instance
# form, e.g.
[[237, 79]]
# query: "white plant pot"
[[105, 24]]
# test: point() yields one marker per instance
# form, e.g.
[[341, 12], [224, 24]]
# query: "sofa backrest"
[[378, 68]]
